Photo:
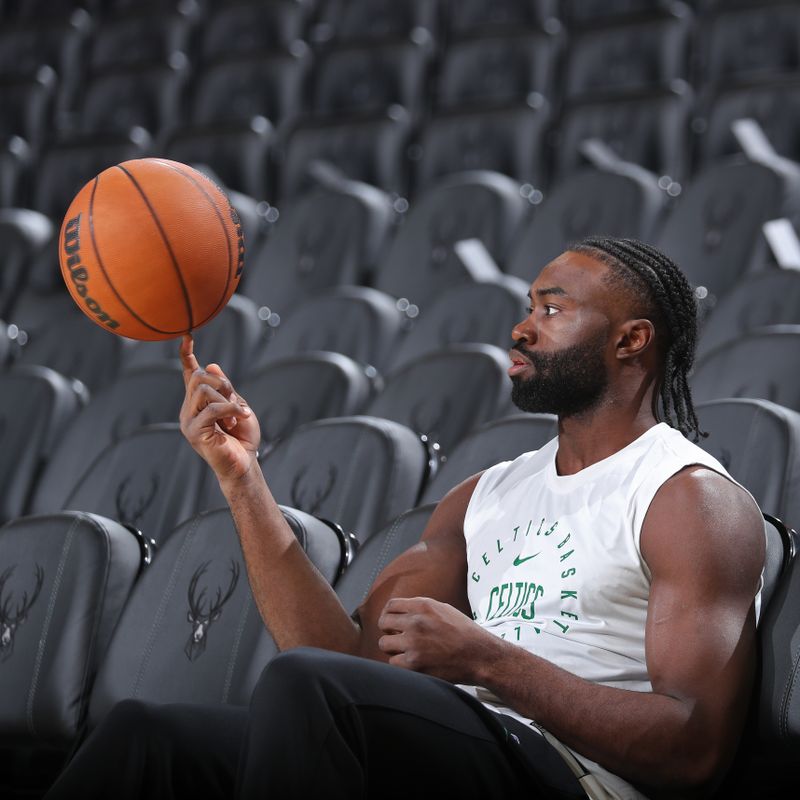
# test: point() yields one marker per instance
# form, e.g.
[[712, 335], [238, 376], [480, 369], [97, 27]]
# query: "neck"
[[617, 420]]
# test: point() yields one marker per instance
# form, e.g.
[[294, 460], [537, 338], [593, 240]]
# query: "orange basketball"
[[151, 249]]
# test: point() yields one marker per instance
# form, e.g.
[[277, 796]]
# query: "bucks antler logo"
[[12, 615], [202, 614]]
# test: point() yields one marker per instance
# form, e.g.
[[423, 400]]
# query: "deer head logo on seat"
[[200, 617], [12, 618], [310, 499]]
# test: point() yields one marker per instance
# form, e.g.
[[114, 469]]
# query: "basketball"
[[151, 249]]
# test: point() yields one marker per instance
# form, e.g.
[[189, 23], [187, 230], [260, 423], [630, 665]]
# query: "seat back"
[[500, 16], [758, 442], [377, 20], [191, 632], [27, 104], [23, 234], [489, 444]]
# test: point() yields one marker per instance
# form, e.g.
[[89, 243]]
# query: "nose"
[[524, 331]]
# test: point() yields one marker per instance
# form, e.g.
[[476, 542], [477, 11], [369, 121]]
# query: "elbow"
[[697, 769]]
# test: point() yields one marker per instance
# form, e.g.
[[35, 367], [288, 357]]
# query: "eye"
[[528, 310], [549, 310]]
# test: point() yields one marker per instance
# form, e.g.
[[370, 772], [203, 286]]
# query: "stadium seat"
[[371, 149], [376, 20], [648, 128], [422, 262], [492, 70], [150, 480], [357, 472], [15, 161], [191, 631], [592, 12], [758, 442], [23, 235], [139, 396], [330, 236], [508, 139], [472, 313], [444, 394], [248, 27], [230, 339], [238, 153], [302, 388], [495, 441], [27, 104], [759, 364], [714, 232], [77, 348], [769, 297], [36, 407], [63, 584], [148, 96], [627, 203], [370, 78], [381, 548], [356, 321], [237, 88], [636, 54], [465, 17]]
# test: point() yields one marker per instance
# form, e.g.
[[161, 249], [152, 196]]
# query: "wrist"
[[242, 482], [489, 659]]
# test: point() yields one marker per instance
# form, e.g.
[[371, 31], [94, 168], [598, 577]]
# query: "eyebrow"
[[548, 290]]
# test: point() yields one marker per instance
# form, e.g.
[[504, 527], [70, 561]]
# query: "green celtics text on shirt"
[[515, 558]]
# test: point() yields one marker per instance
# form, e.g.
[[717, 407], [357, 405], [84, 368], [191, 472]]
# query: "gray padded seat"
[[475, 312], [230, 340], [421, 262], [15, 159], [760, 364], [376, 20], [497, 69], [302, 388], [248, 27], [629, 55], [63, 168], [191, 632], [371, 149], [64, 580], [649, 128], [139, 396], [592, 12], [78, 349], [443, 395], [369, 78], [121, 98], [36, 407], [758, 442], [499, 440], [327, 237], [238, 153], [23, 235], [381, 548], [239, 87], [588, 202], [150, 480], [508, 139], [358, 472], [356, 321], [476, 16], [714, 232], [774, 104], [769, 297], [27, 105]]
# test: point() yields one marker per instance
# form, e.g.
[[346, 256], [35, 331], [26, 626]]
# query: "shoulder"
[[703, 519]]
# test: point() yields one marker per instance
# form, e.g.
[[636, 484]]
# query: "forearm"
[[645, 737], [298, 606]]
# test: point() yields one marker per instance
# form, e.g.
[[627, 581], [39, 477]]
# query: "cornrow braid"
[[669, 298]]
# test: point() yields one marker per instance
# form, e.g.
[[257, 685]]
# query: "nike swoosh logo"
[[518, 560]]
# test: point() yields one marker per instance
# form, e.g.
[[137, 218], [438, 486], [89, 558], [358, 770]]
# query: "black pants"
[[320, 725]]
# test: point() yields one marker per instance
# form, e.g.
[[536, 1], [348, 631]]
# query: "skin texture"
[[702, 539]]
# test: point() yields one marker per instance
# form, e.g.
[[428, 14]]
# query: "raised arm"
[[297, 604]]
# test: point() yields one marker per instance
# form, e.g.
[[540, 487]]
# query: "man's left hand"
[[428, 636]]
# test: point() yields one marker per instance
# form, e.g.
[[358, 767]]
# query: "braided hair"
[[657, 283]]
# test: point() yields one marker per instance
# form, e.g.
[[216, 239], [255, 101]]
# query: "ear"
[[636, 336]]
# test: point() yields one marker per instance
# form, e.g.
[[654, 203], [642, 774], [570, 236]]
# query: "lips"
[[518, 363]]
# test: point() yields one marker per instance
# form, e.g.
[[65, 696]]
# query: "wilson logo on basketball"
[[79, 273], [239, 240]]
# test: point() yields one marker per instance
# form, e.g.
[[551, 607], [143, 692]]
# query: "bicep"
[[435, 567], [703, 540]]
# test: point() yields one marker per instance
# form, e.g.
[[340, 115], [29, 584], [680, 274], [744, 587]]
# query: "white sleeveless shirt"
[[555, 565]]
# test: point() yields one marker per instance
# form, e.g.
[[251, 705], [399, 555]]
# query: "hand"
[[216, 421], [428, 636]]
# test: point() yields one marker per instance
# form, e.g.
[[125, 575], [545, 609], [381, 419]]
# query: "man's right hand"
[[217, 421]]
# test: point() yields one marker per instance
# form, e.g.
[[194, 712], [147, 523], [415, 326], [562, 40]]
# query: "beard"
[[567, 382]]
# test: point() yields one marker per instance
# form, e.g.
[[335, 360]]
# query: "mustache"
[[519, 347]]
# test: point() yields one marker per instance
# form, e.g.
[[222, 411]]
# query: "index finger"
[[188, 360]]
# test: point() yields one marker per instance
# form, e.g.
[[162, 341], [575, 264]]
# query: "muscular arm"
[[704, 543], [297, 604]]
